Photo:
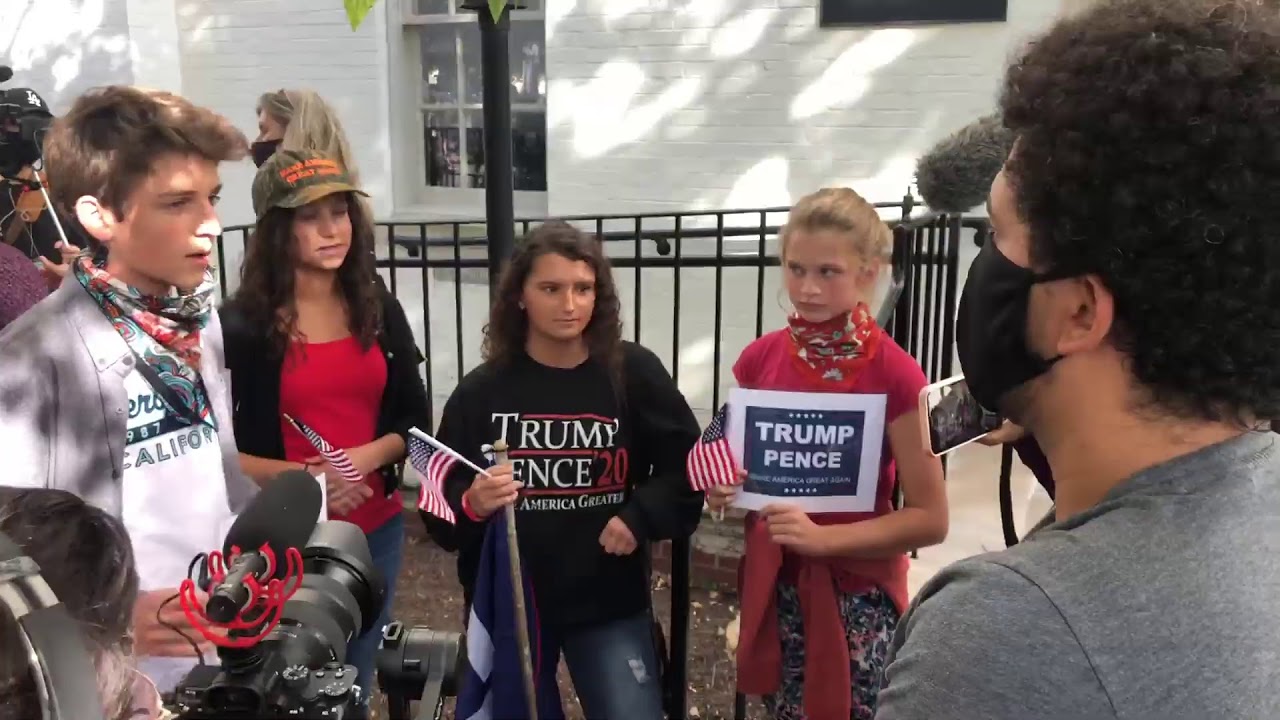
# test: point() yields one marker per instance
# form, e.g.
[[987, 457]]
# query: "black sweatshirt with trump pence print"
[[585, 453]]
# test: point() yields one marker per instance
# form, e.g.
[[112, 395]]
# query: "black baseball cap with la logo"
[[293, 178]]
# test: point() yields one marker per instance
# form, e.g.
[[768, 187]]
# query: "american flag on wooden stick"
[[433, 465], [710, 461], [336, 458]]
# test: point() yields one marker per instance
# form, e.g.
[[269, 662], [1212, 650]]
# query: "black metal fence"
[[743, 242], [926, 258]]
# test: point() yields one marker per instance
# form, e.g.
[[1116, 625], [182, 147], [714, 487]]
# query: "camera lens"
[[340, 597]]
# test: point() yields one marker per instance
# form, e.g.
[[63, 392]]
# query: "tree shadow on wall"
[[705, 78], [61, 60]]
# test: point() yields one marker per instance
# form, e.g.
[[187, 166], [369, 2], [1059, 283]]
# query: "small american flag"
[[711, 461], [433, 465], [332, 455]]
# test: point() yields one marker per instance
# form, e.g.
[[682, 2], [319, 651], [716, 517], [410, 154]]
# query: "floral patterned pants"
[[869, 621]]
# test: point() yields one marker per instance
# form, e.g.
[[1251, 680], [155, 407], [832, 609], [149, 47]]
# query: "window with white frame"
[[451, 94]]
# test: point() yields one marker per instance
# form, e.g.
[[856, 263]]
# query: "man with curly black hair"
[[1128, 315]]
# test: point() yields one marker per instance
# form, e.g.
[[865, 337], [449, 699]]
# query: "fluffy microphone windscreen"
[[282, 516], [955, 176]]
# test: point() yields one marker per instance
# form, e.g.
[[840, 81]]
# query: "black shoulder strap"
[[1006, 496], [165, 392]]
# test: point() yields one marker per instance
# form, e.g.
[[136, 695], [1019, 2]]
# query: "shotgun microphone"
[[281, 517], [955, 175]]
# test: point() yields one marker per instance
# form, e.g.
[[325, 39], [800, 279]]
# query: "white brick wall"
[[232, 51], [60, 48], [681, 104], [154, 50]]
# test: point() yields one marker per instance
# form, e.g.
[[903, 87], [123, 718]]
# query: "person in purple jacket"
[[21, 284]]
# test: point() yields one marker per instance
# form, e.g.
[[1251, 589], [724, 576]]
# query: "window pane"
[[443, 144], [527, 50], [431, 7], [475, 149], [528, 62], [473, 78], [439, 64], [528, 150]]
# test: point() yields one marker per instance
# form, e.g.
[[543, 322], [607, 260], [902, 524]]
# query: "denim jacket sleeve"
[[26, 416], [55, 400]]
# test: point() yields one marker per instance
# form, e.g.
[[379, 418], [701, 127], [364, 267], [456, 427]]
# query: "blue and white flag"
[[493, 687]]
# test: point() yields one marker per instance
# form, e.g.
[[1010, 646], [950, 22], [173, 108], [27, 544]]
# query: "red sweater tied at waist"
[[827, 680]]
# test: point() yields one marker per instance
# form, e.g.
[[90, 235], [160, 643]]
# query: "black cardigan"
[[255, 384]]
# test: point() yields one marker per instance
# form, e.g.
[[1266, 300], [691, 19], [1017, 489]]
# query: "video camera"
[[291, 663], [24, 118]]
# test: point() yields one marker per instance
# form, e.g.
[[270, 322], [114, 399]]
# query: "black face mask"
[[991, 327], [262, 150]]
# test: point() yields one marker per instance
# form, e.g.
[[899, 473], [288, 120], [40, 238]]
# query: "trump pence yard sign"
[[818, 451]]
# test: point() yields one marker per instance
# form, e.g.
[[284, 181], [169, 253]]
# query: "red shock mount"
[[260, 615]]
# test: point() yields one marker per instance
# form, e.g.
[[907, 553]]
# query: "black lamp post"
[[499, 187]]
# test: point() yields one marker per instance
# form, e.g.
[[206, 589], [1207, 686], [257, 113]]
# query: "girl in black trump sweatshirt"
[[598, 435]]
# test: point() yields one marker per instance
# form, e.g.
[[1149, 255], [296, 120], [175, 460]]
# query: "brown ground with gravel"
[[428, 594]]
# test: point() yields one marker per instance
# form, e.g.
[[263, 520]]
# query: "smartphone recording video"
[[951, 417]]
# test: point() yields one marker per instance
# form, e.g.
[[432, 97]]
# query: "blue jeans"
[[386, 544], [615, 670]]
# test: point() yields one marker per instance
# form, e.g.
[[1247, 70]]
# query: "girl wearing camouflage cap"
[[311, 334]]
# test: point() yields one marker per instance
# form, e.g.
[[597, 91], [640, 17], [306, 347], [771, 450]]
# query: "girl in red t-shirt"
[[313, 334], [822, 594]]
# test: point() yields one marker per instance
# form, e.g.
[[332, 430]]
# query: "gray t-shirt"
[[1162, 602]]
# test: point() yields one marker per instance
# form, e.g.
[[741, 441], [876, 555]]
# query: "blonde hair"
[[310, 123], [843, 211]]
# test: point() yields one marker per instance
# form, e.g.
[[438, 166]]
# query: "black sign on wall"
[[837, 13]]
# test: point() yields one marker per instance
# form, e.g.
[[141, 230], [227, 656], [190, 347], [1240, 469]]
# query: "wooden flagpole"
[[517, 587]]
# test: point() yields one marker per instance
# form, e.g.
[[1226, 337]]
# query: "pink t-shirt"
[[767, 364]]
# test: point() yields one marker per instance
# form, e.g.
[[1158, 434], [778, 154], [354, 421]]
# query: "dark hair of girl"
[[86, 557], [508, 328], [265, 295]]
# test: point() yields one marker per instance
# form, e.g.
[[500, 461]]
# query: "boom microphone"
[[6, 73], [955, 176], [278, 519]]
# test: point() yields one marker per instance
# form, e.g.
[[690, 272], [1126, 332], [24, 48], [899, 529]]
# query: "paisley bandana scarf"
[[836, 350], [163, 331]]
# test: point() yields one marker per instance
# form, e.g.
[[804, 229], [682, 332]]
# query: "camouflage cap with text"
[[293, 178]]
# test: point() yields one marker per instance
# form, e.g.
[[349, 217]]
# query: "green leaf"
[[358, 9], [496, 7]]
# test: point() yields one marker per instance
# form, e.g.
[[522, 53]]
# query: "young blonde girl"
[[822, 594]]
